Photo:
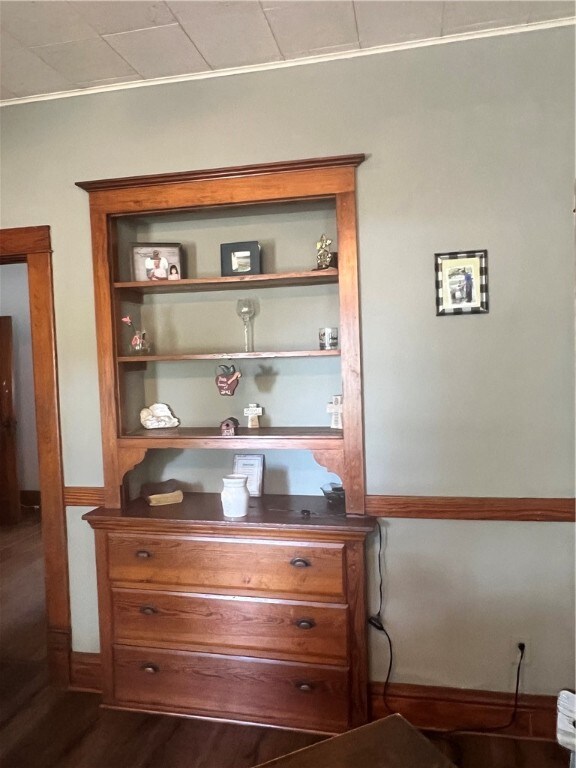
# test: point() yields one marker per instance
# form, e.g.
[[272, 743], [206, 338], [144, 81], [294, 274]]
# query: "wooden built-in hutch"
[[262, 619]]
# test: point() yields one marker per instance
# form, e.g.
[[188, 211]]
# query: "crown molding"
[[354, 54]]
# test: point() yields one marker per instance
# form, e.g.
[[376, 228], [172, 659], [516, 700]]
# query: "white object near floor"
[[566, 722]]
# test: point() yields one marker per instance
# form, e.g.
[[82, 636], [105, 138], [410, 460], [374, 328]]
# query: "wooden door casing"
[[31, 246], [10, 511]]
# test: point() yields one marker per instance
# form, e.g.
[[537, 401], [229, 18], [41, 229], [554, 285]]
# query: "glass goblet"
[[246, 309]]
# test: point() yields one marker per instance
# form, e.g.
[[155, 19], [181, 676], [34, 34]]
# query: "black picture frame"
[[239, 259], [461, 282]]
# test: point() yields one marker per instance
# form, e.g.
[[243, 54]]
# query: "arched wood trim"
[[31, 245], [333, 461]]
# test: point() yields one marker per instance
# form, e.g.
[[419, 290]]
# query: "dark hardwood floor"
[[41, 727]]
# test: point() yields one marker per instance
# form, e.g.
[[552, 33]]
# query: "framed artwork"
[[156, 261], [461, 282], [237, 259], [251, 465]]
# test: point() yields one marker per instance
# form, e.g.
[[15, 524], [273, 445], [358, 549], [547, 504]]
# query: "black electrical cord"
[[376, 622], [457, 756], [512, 719]]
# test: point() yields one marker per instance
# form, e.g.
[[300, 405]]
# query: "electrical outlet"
[[515, 651]]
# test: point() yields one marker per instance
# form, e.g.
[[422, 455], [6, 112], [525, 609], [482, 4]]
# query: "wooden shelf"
[[311, 438], [228, 356], [311, 277]]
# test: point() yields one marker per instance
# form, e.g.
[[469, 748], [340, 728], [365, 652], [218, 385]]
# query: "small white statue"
[[335, 408], [253, 412], [157, 416]]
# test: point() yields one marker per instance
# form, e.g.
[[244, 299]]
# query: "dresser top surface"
[[278, 512]]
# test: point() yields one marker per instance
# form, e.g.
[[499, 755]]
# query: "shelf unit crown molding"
[[316, 163]]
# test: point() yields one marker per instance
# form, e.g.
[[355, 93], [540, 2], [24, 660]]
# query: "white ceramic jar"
[[235, 496]]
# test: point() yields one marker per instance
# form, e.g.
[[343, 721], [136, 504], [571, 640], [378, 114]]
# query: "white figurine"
[[253, 412], [335, 408], [157, 416]]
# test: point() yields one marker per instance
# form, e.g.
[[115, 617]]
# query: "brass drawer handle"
[[143, 553], [300, 562], [148, 610], [151, 669], [304, 686], [305, 623]]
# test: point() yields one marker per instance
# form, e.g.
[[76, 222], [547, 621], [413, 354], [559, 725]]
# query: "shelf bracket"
[[127, 459], [333, 461]]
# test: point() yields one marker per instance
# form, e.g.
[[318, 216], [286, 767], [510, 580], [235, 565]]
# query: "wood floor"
[[41, 727]]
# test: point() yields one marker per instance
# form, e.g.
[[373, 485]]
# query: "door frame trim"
[[32, 246]]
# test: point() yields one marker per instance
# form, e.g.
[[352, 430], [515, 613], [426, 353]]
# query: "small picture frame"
[[461, 282], [156, 261], [251, 465], [239, 259]]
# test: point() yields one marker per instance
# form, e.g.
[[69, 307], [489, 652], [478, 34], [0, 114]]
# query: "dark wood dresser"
[[260, 620]]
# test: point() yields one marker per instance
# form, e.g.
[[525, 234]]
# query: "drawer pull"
[[149, 610], [300, 562], [151, 669], [304, 687], [305, 623], [143, 553]]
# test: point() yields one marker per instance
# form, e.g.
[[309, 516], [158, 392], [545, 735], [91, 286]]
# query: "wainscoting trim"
[[439, 708], [424, 706], [83, 497], [472, 508], [86, 672], [421, 507]]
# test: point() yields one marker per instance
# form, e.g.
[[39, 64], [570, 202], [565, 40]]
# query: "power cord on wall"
[[376, 622], [457, 756]]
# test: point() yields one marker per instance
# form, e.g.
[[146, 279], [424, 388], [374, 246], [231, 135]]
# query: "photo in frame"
[[251, 465], [461, 282], [156, 261], [238, 259]]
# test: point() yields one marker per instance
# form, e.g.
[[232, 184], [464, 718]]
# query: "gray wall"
[[470, 145], [14, 302]]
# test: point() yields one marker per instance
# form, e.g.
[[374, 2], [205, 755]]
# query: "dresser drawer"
[[251, 626], [246, 566], [256, 690]]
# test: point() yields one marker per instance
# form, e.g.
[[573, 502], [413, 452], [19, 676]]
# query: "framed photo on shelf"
[[251, 465], [238, 259], [461, 282], [156, 261]]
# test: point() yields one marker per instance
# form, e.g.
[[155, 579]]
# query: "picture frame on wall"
[[251, 465], [239, 259], [461, 282], [156, 261]]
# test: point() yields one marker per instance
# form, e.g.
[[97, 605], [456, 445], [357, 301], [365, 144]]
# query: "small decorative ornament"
[[158, 416], [158, 494], [334, 407], [328, 338], [139, 345], [227, 381], [229, 427], [253, 412], [324, 257], [235, 496]]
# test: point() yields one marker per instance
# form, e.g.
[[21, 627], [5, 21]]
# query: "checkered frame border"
[[482, 257]]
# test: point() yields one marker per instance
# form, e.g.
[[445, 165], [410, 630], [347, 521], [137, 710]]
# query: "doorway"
[[31, 246]]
